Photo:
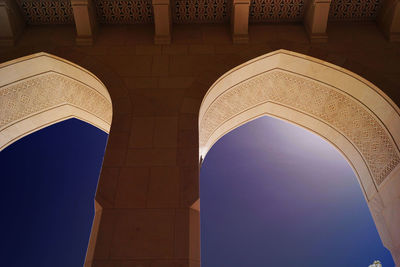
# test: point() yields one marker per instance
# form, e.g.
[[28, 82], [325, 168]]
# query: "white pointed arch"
[[351, 113], [41, 89]]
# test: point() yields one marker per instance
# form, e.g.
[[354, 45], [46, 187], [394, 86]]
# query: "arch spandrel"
[[349, 105], [41, 89]]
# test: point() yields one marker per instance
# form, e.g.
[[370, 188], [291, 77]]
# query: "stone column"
[[385, 209], [93, 234], [240, 21], [316, 20], [11, 22], [194, 235], [389, 20], [85, 21], [162, 21]]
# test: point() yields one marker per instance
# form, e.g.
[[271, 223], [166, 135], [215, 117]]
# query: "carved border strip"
[[33, 95], [336, 109]]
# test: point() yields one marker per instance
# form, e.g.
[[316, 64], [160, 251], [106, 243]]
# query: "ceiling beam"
[[240, 21], [11, 22], [316, 20], [85, 21], [389, 20], [162, 21]]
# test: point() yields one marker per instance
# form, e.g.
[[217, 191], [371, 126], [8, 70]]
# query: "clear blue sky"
[[49, 181], [275, 194]]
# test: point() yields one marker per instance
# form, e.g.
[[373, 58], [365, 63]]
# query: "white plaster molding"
[[39, 90], [348, 111], [347, 103], [341, 143]]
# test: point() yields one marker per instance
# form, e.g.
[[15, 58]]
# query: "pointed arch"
[[351, 113], [41, 89]]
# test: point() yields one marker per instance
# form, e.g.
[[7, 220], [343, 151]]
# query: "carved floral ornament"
[[334, 107], [40, 90]]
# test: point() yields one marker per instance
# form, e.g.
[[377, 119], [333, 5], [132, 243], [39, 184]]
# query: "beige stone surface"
[[149, 83], [39, 90]]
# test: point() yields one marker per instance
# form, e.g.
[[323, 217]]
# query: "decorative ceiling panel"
[[277, 10], [47, 11], [350, 10], [201, 11], [124, 11]]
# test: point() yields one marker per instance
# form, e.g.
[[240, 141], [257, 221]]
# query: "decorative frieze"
[[335, 108], [31, 96]]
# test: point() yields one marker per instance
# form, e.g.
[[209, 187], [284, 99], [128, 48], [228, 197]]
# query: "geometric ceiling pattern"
[[47, 11], [194, 11], [201, 11], [124, 11], [350, 10], [276, 10]]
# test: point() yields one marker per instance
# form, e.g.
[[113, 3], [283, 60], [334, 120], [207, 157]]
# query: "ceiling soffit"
[[201, 11], [38, 12], [349, 10], [277, 10], [124, 11]]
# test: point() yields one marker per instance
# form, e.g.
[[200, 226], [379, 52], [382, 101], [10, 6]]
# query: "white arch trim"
[[351, 113], [41, 89]]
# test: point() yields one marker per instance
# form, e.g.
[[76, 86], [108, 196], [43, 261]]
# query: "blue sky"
[[49, 181], [275, 194]]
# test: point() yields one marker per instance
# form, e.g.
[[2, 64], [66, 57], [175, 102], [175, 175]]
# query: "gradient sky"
[[275, 194], [49, 181]]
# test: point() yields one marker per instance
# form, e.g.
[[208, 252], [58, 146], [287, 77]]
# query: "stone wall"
[[149, 178]]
